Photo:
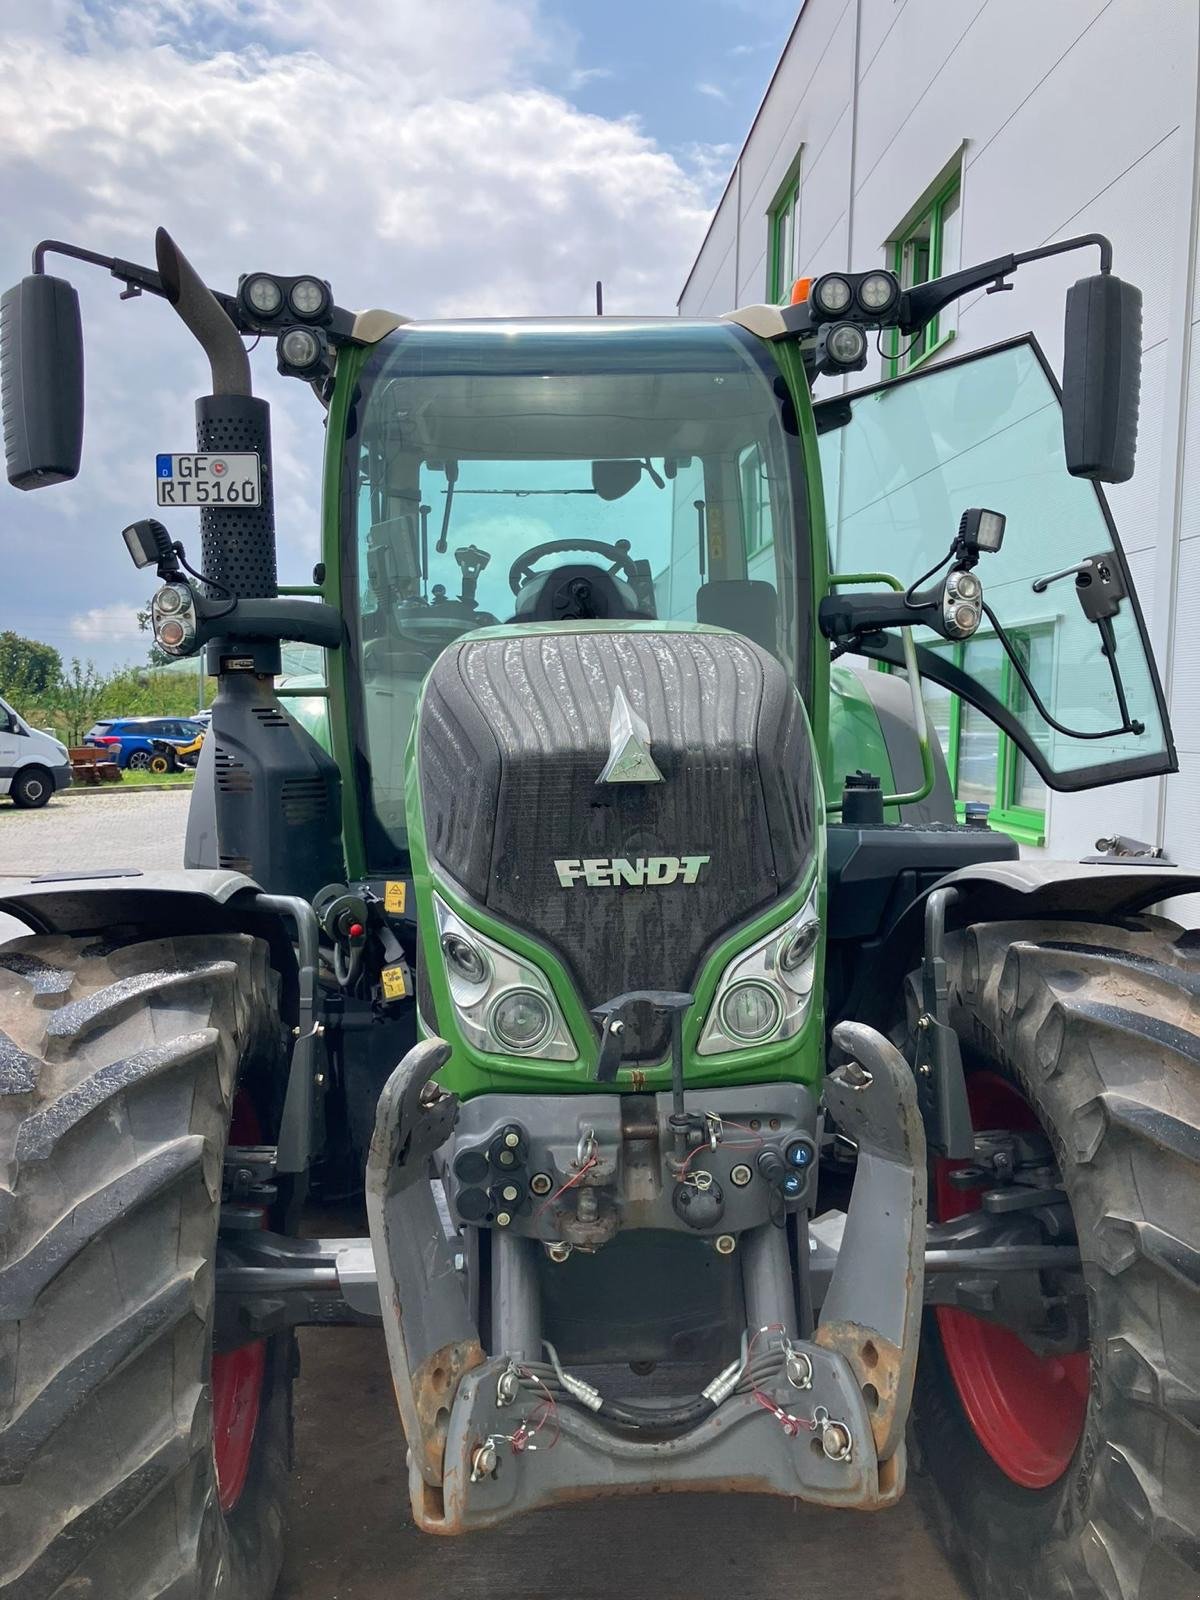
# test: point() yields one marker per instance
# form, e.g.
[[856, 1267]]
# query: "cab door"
[[1069, 675]]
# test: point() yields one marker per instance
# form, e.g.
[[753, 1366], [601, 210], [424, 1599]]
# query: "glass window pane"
[[988, 432], [979, 738], [1037, 650], [951, 224], [938, 702]]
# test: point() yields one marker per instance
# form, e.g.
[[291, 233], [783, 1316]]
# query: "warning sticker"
[[395, 982], [395, 895]]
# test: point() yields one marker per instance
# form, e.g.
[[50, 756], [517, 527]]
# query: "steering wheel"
[[618, 554]]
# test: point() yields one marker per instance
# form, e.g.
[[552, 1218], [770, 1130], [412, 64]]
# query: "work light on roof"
[[262, 294], [308, 298], [878, 292], [832, 294]]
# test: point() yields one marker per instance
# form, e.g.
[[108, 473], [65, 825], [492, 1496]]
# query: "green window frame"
[[1025, 823], [782, 221], [916, 256]]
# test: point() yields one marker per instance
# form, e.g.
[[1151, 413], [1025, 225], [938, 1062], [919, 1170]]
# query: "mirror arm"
[[137, 279], [918, 306]]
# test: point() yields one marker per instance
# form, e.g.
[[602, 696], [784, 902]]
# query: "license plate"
[[209, 479]]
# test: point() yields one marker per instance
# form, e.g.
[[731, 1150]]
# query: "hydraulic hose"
[[655, 1419]]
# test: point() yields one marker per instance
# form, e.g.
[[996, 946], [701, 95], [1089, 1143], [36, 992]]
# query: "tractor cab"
[[562, 474]]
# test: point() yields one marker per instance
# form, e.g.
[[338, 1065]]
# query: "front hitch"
[[495, 1432]]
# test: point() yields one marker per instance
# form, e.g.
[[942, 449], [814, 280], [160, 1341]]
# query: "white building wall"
[[1069, 116]]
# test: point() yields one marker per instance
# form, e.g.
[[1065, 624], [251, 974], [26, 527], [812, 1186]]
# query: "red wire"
[[558, 1193], [724, 1144]]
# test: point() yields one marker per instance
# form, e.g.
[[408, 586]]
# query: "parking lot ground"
[[351, 1537]]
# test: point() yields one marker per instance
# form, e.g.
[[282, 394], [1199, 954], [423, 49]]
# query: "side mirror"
[[1102, 377], [41, 352]]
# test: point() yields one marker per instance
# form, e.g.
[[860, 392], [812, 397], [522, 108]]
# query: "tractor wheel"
[[31, 788], [1075, 1475], [160, 763], [134, 1464]]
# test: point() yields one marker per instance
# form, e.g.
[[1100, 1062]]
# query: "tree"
[[76, 699], [27, 667], [158, 656]]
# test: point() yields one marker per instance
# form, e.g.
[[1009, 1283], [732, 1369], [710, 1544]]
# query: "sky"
[[434, 157]]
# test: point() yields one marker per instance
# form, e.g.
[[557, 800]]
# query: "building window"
[[784, 240], [984, 764], [755, 496], [926, 248]]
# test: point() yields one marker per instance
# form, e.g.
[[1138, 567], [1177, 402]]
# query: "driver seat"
[[577, 592]]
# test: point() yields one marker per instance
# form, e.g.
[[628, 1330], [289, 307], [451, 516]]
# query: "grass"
[[139, 780], [156, 780]]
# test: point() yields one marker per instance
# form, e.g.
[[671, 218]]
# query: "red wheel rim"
[[1027, 1411], [237, 1375]]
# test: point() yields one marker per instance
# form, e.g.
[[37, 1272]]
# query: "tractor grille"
[[514, 733]]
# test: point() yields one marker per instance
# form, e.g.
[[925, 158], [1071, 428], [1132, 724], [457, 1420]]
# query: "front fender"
[[87, 902], [1008, 891]]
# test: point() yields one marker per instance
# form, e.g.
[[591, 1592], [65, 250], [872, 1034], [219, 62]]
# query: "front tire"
[[32, 788], [1093, 1028], [118, 1070]]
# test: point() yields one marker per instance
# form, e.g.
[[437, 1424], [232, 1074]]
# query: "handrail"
[[920, 715]]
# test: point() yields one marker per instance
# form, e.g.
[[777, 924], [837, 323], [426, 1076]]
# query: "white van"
[[33, 765]]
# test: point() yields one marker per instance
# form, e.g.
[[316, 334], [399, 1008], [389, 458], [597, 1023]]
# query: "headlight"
[[846, 344], [503, 1005], [464, 958], [300, 349], [764, 993], [520, 1019], [750, 1012]]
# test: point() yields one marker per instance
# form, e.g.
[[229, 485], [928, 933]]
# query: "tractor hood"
[[624, 795]]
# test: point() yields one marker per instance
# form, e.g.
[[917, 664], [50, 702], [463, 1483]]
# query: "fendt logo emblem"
[[606, 872]]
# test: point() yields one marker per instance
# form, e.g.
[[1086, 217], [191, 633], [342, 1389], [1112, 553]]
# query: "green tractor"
[[731, 1112]]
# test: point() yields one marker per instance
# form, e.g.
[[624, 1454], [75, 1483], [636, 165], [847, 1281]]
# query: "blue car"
[[131, 739]]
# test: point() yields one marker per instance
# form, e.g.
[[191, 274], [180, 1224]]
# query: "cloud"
[[102, 624], [580, 77], [714, 92], [709, 165], [412, 158]]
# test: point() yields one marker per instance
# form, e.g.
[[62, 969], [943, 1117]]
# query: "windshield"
[[900, 465], [652, 459]]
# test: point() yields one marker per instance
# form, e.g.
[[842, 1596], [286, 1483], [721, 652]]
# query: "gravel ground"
[[351, 1536]]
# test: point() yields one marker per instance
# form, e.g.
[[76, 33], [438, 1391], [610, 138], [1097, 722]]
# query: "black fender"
[[159, 904], [1009, 891], [89, 902]]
